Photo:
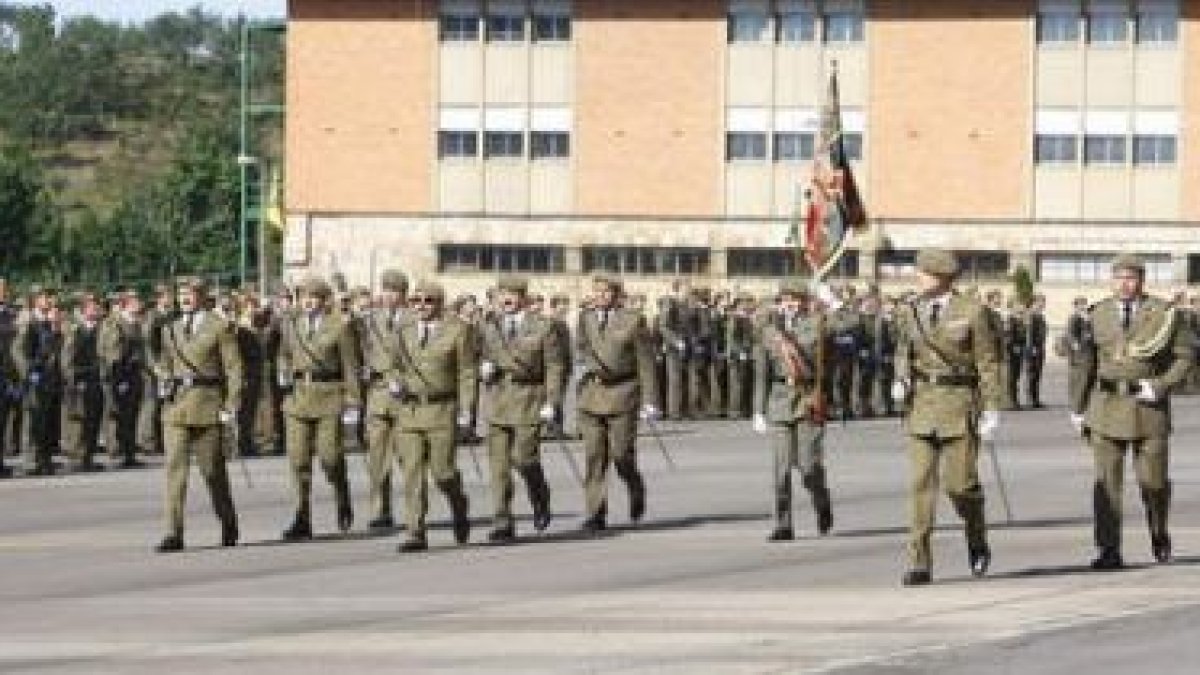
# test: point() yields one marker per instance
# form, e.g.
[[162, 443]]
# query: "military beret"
[[1129, 261], [393, 280], [938, 262], [430, 289], [608, 280], [513, 284], [797, 287], [197, 284], [315, 286]]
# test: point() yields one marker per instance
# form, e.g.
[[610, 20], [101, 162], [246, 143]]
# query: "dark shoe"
[[87, 467], [345, 518], [169, 544], [1108, 560], [1162, 550], [229, 536], [917, 578], [502, 535], [413, 545], [382, 523], [637, 504], [824, 521], [781, 534], [541, 517], [132, 463], [5, 472], [979, 560], [593, 525], [299, 530]]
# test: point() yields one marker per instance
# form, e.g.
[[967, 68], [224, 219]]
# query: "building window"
[[897, 264], [1157, 26], [551, 28], [747, 27], [1104, 149], [781, 262], [844, 26], [797, 27], [505, 28], [1074, 267], [458, 144], [1107, 27], [1057, 26], [852, 145], [791, 146], [489, 258], [503, 144], [1153, 149], [1055, 149], [549, 144], [458, 27], [645, 260], [743, 145], [983, 265]]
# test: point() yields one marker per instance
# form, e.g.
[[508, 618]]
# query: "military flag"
[[832, 211]]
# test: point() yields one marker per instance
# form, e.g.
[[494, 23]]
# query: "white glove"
[[825, 294], [285, 381], [899, 390], [1077, 422], [760, 423], [464, 420], [351, 415], [650, 412], [395, 388], [546, 414], [1146, 392], [487, 370], [164, 390], [224, 417], [680, 345], [989, 422]]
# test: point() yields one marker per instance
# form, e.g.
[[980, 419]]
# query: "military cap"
[[430, 289], [197, 284], [315, 286], [393, 280], [513, 284], [608, 280], [1129, 261], [794, 287], [938, 262]]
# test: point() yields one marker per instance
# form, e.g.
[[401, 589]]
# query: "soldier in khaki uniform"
[[123, 365], [83, 394], [949, 373], [150, 429], [436, 391], [522, 373], [200, 377], [617, 375], [319, 361], [380, 335], [789, 400], [1140, 351]]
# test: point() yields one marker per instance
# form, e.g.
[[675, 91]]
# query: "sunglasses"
[[423, 300]]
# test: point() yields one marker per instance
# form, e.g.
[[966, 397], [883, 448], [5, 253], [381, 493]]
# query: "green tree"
[[24, 214]]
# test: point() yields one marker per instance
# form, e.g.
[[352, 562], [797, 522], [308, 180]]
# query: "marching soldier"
[[1016, 337], [83, 393], [37, 351], [436, 390], [739, 344], [1140, 351], [699, 346], [381, 364], [1036, 333], [789, 401], [150, 428], [560, 307], [200, 375], [521, 370], [122, 351], [949, 372], [847, 328], [319, 362], [617, 365], [10, 388]]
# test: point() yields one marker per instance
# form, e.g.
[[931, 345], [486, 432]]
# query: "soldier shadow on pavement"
[[992, 525]]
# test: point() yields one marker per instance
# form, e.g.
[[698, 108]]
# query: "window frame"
[[1092, 146], [1164, 149], [806, 145], [1059, 141], [1046, 21], [756, 153], [491, 137], [834, 25], [734, 22], [505, 34], [539, 150], [452, 139]]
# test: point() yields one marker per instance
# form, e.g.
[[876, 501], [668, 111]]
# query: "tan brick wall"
[[649, 106], [950, 122], [1189, 116], [360, 124]]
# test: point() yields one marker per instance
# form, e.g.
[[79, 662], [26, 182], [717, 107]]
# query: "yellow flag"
[[273, 206]]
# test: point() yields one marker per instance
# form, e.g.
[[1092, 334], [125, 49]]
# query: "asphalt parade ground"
[[695, 589]]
